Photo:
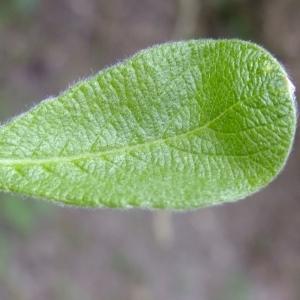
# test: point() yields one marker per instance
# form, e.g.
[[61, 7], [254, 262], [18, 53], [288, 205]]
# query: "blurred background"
[[247, 250]]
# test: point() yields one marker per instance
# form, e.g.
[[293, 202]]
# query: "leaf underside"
[[177, 126]]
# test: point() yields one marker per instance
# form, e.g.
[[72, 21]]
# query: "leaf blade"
[[177, 126]]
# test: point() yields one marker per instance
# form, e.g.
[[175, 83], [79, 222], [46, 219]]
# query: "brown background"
[[247, 250]]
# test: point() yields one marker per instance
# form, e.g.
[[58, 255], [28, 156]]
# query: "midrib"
[[64, 159]]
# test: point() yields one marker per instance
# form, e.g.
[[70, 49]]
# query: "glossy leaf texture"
[[177, 126]]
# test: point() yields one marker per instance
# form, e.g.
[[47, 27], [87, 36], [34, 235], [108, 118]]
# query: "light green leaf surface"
[[178, 126]]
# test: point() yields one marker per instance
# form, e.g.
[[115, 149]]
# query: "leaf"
[[177, 126]]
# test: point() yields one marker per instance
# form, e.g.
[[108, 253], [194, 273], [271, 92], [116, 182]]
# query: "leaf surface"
[[177, 126]]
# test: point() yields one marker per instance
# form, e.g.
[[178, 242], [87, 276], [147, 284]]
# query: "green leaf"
[[177, 126]]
